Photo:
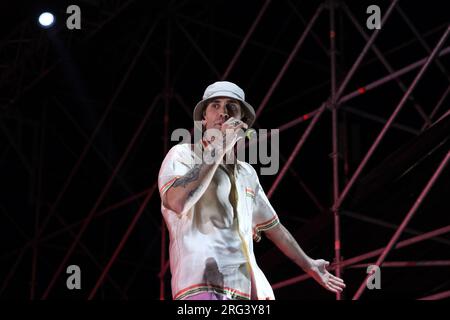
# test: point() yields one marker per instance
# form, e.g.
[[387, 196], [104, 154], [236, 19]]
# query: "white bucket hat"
[[224, 89]]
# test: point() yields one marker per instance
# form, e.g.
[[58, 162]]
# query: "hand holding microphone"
[[236, 124], [234, 130]]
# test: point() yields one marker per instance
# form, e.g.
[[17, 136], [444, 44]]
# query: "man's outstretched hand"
[[317, 269], [320, 273]]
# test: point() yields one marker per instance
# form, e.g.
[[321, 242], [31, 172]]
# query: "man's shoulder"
[[179, 152], [181, 148], [247, 168]]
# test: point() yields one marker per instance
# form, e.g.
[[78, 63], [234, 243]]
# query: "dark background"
[[72, 100]]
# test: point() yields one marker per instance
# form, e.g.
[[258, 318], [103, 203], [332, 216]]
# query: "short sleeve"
[[175, 165], [264, 216]]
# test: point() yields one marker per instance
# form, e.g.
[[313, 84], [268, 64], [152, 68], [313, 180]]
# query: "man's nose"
[[224, 113]]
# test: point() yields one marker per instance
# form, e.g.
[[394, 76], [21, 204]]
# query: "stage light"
[[46, 19]]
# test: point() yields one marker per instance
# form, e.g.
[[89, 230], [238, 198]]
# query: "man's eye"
[[232, 106]]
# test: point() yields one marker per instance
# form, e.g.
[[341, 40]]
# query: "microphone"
[[250, 133]]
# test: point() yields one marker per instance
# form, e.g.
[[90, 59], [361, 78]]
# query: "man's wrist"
[[212, 154], [307, 265]]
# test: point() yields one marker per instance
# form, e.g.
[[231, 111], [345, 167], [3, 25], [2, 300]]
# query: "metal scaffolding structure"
[[29, 63]]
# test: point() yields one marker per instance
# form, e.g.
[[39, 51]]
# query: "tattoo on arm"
[[192, 175], [193, 191]]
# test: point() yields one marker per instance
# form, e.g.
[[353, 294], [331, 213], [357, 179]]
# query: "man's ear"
[[204, 115]]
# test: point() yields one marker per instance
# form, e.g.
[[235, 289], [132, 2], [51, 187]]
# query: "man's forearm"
[[186, 190], [317, 269], [283, 239]]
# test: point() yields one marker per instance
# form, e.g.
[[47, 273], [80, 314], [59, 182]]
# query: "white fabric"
[[211, 245]]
